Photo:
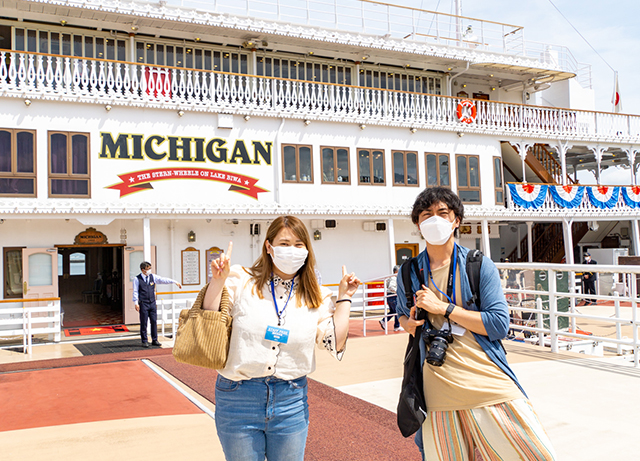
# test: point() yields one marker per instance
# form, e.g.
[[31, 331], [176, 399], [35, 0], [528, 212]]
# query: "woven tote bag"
[[203, 336]]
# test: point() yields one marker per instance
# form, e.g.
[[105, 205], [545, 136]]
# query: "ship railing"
[[30, 316], [555, 314], [584, 206], [384, 19], [37, 76], [371, 302]]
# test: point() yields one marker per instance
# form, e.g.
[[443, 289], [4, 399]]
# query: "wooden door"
[[39, 274], [133, 256], [404, 251]]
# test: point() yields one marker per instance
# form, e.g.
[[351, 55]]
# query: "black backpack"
[[412, 409]]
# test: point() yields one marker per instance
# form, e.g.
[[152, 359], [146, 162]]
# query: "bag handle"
[[225, 305]]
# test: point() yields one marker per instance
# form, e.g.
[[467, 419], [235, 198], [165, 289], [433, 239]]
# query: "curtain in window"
[[5, 151], [79, 151], [25, 157], [58, 149]]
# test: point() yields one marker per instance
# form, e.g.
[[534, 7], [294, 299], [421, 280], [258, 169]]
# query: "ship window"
[[437, 170], [17, 163], [69, 164], [497, 178], [77, 263], [405, 168], [371, 167], [335, 165], [297, 164], [468, 172], [12, 262]]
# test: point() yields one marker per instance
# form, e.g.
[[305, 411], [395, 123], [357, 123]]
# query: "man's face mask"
[[436, 230]]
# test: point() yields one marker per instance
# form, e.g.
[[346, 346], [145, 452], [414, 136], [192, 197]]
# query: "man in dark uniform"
[[144, 299], [589, 280]]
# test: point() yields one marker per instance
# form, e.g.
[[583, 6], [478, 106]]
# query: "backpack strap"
[[474, 264], [405, 271]]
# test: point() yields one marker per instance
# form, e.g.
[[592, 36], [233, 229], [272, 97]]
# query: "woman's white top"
[[251, 355]]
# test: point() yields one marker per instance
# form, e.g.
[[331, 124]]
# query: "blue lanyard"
[[452, 277], [275, 303]]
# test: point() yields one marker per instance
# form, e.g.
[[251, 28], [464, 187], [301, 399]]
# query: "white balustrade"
[[67, 78]]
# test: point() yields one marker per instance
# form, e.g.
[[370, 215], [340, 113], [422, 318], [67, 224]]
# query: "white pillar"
[[631, 157], [522, 148], [486, 245], [392, 243], [146, 239], [598, 151], [530, 241], [562, 148], [172, 234], [568, 254], [519, 250], [635, 231]]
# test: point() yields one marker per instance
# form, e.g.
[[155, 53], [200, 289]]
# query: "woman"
[[280, 312]]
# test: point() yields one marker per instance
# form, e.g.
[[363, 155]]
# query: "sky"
[[610, 27]]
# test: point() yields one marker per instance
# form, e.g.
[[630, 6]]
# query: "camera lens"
[[437, 351]]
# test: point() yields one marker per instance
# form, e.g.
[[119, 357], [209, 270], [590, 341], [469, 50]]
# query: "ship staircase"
[[548, 239]]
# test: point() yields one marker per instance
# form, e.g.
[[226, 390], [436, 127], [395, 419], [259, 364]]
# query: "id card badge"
[[457, 329], [279, 335]]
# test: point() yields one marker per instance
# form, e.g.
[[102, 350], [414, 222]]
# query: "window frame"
[[426, 169], [335, 165], [69, 175], [297, 147], [469, 188], [5, 271], [14, 162], [393, 169], [384, 166], [496, 188]]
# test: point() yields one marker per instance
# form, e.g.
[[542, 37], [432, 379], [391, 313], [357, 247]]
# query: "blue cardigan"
[[493, 307]]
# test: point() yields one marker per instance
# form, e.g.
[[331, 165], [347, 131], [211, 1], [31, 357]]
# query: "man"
[[144, 299], [475, 405], [391, 285], [589, 280]]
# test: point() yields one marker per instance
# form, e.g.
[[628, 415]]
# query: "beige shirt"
[[253, 356], [468, 378]]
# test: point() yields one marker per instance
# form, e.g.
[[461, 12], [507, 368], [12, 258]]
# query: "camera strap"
[[451, 280]]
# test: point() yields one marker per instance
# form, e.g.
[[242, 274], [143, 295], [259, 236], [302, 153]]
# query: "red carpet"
[[84, 394], [95, 330]]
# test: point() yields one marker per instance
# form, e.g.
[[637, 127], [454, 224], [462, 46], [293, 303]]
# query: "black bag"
[[412, 409]]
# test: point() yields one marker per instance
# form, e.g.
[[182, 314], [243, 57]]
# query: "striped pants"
[[509, 431]]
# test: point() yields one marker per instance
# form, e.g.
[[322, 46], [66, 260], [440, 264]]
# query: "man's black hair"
[[144, 265], [432, 195]]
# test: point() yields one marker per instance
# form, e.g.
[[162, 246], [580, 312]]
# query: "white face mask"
[[147, 272], [289, 260], [436, 230]]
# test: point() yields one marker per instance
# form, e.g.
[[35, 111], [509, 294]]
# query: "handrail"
[[27, 300], [159, 293]]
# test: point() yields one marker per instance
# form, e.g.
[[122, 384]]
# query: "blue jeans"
[[262, 417]]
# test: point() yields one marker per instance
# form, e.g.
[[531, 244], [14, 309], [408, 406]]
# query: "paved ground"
[[588, 405]]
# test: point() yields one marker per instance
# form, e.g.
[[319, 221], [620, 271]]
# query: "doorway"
[[90, 284], [405, 251]]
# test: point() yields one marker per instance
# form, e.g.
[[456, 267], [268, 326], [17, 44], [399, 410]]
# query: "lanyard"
[[275, 303], [451, 286]]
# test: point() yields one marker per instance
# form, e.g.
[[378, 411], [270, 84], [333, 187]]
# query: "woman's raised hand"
[[348, 284], [220, 267]]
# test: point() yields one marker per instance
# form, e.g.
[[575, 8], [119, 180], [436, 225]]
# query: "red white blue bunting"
[[567, 196], [631, 196], [603, 196], [528, 195]]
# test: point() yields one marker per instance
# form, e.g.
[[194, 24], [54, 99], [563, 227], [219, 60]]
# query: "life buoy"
[[466, 111]]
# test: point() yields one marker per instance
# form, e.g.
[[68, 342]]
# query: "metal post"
[[568, 251], [634, 317], [616, 303], [486, 246], [530, 241], [29, 341], [636, 236], [57, 335], [540, 322], [553, 310]]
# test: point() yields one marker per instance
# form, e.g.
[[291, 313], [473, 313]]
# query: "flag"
[[615, 99]]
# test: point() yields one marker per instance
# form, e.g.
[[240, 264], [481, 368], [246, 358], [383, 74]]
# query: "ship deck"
[[58, 403]]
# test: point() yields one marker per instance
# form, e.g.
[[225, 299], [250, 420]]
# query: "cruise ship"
[[160, 131]]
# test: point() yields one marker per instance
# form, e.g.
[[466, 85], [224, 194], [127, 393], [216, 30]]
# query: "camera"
[[438, 342]]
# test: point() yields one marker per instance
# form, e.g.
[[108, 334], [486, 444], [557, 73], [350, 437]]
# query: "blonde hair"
[[308, 291]]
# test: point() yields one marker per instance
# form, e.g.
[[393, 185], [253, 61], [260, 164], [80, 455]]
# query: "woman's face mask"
[[436, 230], [289, 259]]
